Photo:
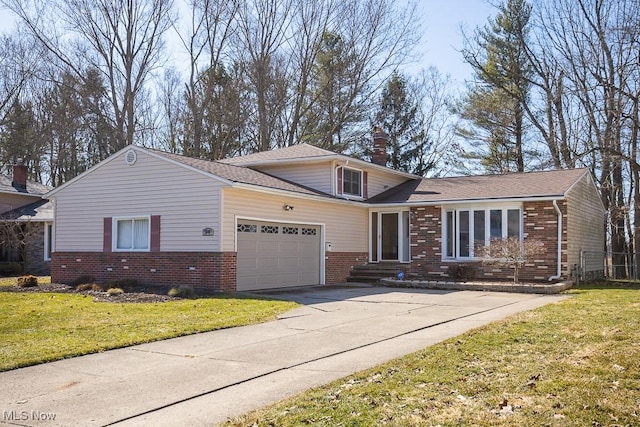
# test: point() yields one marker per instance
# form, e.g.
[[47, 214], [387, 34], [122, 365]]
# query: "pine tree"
[[502, 71]]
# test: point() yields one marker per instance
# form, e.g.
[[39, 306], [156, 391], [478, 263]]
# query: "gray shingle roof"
[[33, 188], [553, 183], [42, 210], [298, 151], [240, 174]]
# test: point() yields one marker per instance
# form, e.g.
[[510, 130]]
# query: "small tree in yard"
[[17, 235], [512, 252]]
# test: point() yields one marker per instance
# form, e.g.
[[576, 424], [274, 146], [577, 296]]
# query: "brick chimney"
[[19, 176], [380, 139]]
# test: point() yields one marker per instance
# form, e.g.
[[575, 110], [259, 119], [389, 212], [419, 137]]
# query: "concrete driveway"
[[203, 379]]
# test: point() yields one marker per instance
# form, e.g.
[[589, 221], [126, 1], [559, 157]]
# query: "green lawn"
[[41, 327], [576, 363]]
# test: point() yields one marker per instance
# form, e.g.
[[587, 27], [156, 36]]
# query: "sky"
[[441, 22]]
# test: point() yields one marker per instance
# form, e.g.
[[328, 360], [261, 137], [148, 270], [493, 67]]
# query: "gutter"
[[559, 270]]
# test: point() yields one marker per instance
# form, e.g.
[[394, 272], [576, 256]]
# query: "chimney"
[[380, 139], [19, 176]]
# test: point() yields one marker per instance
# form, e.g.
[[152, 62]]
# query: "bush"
[[125, 284], [462, 272], [182, 292], [83, 280], [10, 268], [90, 287], [27, 281], [115, 291]]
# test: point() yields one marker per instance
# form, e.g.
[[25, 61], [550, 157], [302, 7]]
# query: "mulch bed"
[[142, 294]]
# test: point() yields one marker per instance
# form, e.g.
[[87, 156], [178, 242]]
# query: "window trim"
[[341, 181], [114, 233], [453, 212]]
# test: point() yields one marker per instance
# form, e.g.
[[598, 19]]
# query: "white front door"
[[390, 236]]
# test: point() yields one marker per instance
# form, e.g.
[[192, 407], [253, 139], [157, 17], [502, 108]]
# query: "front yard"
[[41, 327], [576, 363]]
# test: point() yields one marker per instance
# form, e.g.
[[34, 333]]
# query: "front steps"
[[372, 273]]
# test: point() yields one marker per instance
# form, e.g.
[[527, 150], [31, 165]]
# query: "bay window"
[[467, 229]]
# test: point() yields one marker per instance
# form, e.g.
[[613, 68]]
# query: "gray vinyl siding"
[[187, 202], [585, 220]]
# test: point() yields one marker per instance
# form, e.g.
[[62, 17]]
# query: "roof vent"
[[130, 157]]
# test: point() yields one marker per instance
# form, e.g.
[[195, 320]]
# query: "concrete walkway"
[[201, 380]]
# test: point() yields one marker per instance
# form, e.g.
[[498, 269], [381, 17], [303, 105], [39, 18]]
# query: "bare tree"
[[17, 236], [512, 253], [123, 40]]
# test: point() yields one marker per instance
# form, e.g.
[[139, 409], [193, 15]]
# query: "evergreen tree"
[[498, 56]]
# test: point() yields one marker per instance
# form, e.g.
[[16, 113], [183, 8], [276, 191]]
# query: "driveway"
[[205, 378]]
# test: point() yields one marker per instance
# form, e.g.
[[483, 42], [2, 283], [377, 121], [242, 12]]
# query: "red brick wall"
[[212, 271], [540, 222], [338, 265]]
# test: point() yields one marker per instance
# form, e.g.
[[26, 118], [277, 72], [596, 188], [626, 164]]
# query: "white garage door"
[[274, 255]]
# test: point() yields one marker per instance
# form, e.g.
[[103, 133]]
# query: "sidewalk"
[[205, 378]]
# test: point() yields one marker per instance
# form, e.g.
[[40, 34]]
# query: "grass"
[[575, 363], [42, 327]]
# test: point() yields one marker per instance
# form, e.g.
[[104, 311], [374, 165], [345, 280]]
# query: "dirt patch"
[[141, 295]]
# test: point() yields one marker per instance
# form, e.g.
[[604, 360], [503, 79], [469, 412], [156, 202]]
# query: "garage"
[[276, 255]]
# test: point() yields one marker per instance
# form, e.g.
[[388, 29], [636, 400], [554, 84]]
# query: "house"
[[26, 224], [302, 215]]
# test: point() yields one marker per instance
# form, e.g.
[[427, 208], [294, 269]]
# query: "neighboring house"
[[25, 219], [304, 216]]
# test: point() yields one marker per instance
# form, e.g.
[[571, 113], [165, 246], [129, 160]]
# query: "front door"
[[389, 236]]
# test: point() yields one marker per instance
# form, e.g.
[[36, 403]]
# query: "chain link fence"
[[607, 265]]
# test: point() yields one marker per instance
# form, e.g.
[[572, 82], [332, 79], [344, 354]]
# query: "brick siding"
[[539, 221], [35, 252], [339, 264], [209, 271]]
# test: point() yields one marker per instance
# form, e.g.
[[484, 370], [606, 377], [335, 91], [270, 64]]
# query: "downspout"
[[559, 270]]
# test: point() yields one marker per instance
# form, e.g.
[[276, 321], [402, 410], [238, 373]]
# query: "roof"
[[33, 188], [300, 153], [293, 152], [239, 174], [39, 211], [554, 183]]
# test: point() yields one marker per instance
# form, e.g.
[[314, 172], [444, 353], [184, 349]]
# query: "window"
[[48, 241], [132, 234], [352, 182], [466, 231]]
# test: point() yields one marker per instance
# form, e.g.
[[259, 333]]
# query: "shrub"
[[127, 284], [27, 281], [83, 280], [10, 268], [512, 253], [462, 272], [115, 291], [182, 292], [84, 287]]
